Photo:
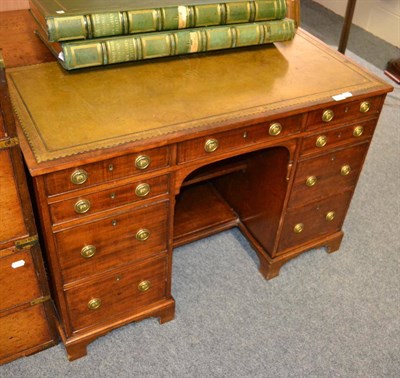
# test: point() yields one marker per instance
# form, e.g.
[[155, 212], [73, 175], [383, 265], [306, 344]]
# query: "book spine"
[[99, 25], [162, 44]]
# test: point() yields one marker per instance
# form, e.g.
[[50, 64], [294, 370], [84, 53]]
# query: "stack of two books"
[[100, 32]]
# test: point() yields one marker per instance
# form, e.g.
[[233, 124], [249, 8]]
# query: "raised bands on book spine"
[[112, 50], [103, 24]]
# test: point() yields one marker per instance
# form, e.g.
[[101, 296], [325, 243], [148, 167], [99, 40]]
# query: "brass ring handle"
[[345, 170], [94, 304], [365, 107], [275, 129], [142, 190], [311, 181], [82, 206], [330, 216], [321, 141], [211, 145], [328, 115], [299, 227], [88, 251], [142, 162], [143, 234], [144, 285], [358, 131], [79, 177]]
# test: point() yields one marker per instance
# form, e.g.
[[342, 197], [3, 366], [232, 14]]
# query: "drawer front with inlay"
[[333, 138], [344, 112], [326, 175], [96, 247], [92, 203], [127, 291], [312, 221], [112, 169], [220, 143]]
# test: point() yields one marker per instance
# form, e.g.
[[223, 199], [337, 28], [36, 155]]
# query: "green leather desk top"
[[66, 113]]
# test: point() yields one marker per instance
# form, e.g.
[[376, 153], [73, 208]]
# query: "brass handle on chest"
[[358, 131], [94, 304], [79, 177], [142, 162], [299, 227], [142, 190], [365, 107], [144, 285], [82, 206], [321, 141], [275, 129], [88, 251], [330, 216], [327, 115], [211, 145], [311, 181], [345, 170], [143, 234]]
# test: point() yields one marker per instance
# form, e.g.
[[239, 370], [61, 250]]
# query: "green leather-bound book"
[[104, 51], [76, 19]]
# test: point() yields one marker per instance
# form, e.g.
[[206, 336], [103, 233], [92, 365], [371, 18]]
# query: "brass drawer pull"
[[79, 177], [82, 206], [321, 141], [275, 129], [142, 190], [211, 145], [327, 115], [330, 216], [358, 131], [94, 304], [298, 228], [311, 181], [365, 107], [144, 285], [143, 234], [88, 251], [142, 162], [345, 170]]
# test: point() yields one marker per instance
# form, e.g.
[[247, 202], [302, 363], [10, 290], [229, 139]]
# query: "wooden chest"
[[26, 309], [256, 139]]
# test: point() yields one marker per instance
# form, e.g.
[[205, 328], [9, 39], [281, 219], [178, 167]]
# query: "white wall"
[[379, 17]]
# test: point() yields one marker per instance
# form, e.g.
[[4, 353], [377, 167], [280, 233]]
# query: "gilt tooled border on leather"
[[42, 153]]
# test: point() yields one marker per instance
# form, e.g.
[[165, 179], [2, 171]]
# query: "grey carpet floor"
[[325, 315]]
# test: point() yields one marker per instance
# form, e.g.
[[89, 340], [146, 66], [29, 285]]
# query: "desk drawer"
[[220, 143], [96, 247], [338, 137], [351, 112], [108, 170], [82, 206], [126, 291], [327, 175], [313, 221]]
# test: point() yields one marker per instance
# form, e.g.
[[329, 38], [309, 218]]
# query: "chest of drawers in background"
[[26, 310]]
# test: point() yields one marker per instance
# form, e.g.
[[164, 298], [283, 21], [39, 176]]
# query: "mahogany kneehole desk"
[[131, 161]]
